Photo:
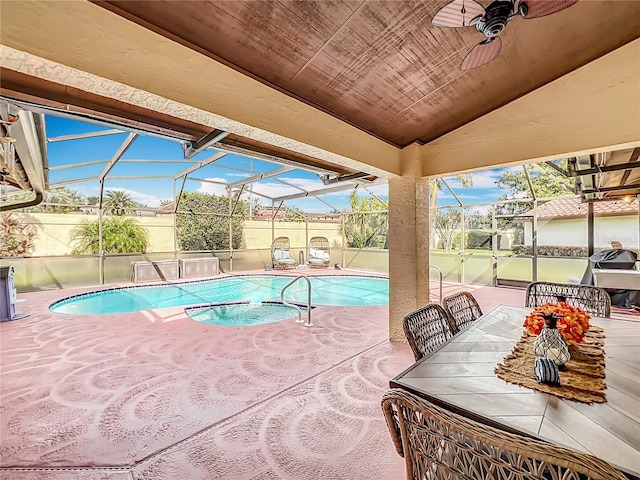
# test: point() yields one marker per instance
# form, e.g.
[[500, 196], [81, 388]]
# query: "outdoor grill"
[[614, 259]]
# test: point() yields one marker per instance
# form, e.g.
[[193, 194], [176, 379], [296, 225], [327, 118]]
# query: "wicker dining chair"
[[439, 444], [463, 309], [426, 329], [593, 300]]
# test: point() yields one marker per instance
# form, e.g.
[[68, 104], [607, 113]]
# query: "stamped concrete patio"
[[156, 395]]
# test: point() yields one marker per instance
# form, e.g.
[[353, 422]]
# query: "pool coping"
[[207, 280]]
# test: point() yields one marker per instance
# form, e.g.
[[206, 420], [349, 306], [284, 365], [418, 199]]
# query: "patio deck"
[[155, 395]]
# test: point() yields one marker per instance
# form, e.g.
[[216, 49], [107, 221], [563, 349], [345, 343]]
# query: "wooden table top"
[[460, 376]]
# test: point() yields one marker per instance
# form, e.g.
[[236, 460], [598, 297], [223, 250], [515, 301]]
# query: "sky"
[[211, 178]]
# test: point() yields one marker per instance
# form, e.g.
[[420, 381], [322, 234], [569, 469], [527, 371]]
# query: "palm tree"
[[366, 224], [93, 201], [61, 200], [119, 235], [255, 207], [435, 186], [119, 202], [466, 181], [293, 214]]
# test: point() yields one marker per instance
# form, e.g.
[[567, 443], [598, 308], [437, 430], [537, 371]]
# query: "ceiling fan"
[[491, 22]]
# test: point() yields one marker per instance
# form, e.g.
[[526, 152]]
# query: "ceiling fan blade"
[[457, 13], [482, 53], [542, 8]]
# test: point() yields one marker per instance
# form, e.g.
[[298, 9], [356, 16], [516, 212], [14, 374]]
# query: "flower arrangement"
[[572, 324]]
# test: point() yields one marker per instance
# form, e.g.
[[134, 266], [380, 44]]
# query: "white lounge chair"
[[319, 254]]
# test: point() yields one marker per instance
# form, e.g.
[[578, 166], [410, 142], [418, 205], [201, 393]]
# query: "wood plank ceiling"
[[381, 65]]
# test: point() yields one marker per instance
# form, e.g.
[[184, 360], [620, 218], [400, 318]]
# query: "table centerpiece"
[[557, 325]]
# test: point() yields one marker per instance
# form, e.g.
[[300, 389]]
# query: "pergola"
[[359, 90]]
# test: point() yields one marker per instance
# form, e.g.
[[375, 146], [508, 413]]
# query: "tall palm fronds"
[[435, 224], [59, 200], [435, 186], [367, 224], [119, 202]]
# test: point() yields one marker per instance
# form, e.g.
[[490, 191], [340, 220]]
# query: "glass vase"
[[550, 343]]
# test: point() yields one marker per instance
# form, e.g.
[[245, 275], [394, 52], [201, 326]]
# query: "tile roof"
[[573, 208]]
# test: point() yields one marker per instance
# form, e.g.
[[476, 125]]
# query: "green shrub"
[[16, 238], [478, 239], [554, 250], [202, 224], [119, 235]]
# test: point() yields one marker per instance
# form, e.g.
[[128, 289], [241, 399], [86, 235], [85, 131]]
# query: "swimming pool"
[[239, 314], [336, 290]]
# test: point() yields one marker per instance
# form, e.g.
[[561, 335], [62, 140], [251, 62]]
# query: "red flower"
[[572, 324]]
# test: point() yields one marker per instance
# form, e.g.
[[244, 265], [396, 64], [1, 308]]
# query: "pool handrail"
[[284, 302], [440, 278]]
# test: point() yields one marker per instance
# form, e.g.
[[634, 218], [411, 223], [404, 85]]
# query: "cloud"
[[272, 189], [485, 179], [381, 190], [322, 209], [308, 184], [482, 209], [241, 175], [213, 188], [276, 189], [87, 190]]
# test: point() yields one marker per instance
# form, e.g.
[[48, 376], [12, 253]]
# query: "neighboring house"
[[266, 213], [324, 217], [165, 210], [563, 221]]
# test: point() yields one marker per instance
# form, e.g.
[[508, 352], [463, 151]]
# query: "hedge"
[[554, 250], [479, 239]]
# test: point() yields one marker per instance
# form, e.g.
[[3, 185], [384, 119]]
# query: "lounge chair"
[[319, 252], [281, 254]]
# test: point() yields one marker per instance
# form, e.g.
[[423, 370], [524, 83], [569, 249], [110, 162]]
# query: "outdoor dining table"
[[460, 376]]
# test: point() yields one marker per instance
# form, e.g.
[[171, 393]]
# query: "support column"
[[408, 241]]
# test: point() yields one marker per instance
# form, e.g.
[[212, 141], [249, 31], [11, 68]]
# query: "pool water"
[[325, 290], [243, 314]]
